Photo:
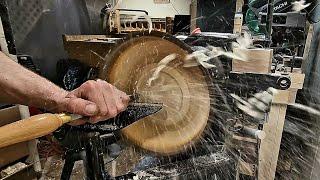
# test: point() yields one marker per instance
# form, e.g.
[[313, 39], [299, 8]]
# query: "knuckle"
[[120, 107], [105, 85], [95, 119], [113, 113], [71, 106], [110, 86], [104, 111], [71, 94], [89, 84], [101, 82]]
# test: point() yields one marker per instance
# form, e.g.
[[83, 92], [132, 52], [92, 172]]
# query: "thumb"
[[81, 107]]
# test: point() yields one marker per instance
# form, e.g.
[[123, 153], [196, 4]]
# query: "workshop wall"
[[175, 7], [38, 27], [216, 16]]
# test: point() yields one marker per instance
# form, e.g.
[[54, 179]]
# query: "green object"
[[252, 22], [252, 19]]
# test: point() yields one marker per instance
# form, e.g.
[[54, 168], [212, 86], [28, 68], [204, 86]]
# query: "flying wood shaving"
[[203, 56], [162, 64], [236, 97], [100, 57], [155, 74], [247, 107], [238, 55], [190, 64], [146, 17], [201, 59], [306, 108], [299, 5], [215, 51], [167, 59], [206, 65], [243, 42]]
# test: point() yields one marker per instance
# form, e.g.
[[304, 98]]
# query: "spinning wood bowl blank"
[[183, 91]]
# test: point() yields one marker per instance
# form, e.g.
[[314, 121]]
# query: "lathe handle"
[[31, 128]]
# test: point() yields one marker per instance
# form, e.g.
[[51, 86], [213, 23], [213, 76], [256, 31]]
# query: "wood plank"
[[239, 5], [12, 153], [238, 17], [67, 38], [259, 61], [246, 168], [269, 147], [9, 115], [307, 47], [282, 97], [89, 53], [237, 23], [292, 95], [297, 80], [247, 139], [193, 12]]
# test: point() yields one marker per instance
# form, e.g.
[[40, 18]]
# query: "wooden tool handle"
[[31, 128]]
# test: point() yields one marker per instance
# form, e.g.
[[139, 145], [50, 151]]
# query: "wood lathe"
[[187, 127], [129, 63]]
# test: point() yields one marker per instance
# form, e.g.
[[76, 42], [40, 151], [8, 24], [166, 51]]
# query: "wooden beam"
[[307, 47], [269, 147], [258, 60], [13, 153], [193, 13], [239, 5]]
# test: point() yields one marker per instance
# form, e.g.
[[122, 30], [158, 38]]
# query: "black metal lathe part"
[[247, 82], [133, 113], [89, 142]]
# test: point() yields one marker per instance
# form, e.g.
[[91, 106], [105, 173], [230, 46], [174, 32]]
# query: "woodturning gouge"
[[43, 124]]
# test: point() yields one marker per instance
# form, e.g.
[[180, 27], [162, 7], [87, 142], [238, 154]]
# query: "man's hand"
[[97, 99]]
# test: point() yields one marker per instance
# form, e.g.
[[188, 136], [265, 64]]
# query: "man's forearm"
[[18, 85]]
